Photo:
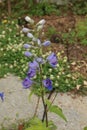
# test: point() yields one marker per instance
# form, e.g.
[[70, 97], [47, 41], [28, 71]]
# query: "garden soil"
[[16, 106]]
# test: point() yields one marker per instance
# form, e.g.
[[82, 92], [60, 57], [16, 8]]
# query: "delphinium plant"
[[37, 75]]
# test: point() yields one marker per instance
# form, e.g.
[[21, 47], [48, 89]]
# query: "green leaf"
[[52, 126], [31, 93], [56, 110], [85, 128], [37, 127], [36, 124]]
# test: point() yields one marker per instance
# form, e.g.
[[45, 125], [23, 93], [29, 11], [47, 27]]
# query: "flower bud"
[[25, 30], [41, 22], [30, 35], [28, 19]]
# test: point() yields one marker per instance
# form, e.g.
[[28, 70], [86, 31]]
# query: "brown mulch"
[[77, 53]]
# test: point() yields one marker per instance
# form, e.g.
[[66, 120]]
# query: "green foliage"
[[36, 124], [55, 109], [51, 31], [81, 29], [44, 8], [85, 128], [79, 7]]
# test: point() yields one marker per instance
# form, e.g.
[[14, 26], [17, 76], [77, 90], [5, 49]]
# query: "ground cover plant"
[[11, 44]]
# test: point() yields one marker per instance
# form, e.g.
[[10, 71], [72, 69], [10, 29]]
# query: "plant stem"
[[52, 101], [46, 104], [36, 106], [45, 110]]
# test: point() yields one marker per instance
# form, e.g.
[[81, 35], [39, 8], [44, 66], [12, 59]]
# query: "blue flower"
[[31, 73], [34, 65], [46, 43], [27, 83], [52, 59], [2, 96], [48, 84], [27, 53]]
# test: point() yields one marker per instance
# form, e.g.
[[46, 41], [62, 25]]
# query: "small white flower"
[[5, 76], [3, 32], [33, 51], [65, 59], [6, 64], [51, 77], [1, 49], [57, 76], [57, 65], [4, 54], [13, 22], [50, 70], [9, 39], [13, 50], [10, 30], [56, 84], [22, 35], [44, 76], [11, 66], [35, 77]]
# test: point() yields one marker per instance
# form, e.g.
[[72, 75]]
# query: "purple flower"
[[46, 43], [52, 59], [27, 83], [27, 53], [2, 96], [34, 65], [31, 73], [27, 46], [48, 84]]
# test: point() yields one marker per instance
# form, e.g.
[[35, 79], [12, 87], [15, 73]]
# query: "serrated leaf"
[[85, 128], [56, 110]]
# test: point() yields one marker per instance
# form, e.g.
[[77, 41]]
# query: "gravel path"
[[16, 106]]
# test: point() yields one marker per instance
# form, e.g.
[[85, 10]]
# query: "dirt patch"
[[76, 52]]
